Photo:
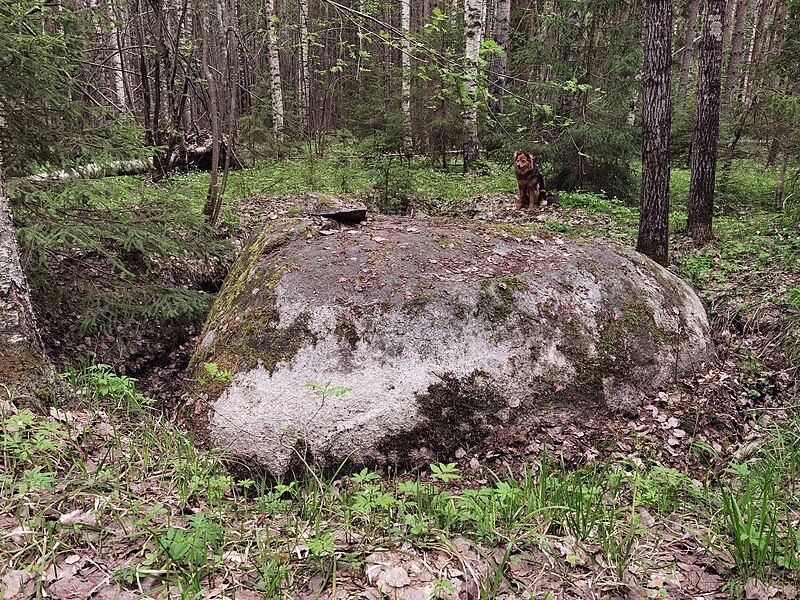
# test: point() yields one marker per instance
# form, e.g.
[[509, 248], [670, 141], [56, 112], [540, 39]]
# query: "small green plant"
[[326, 390], [101, 386], [759, 522], [445, 472], [216, 373]]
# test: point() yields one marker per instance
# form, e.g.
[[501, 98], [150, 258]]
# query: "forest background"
[[407, 104]]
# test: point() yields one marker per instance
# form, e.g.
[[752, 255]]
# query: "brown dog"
[[531, 183]]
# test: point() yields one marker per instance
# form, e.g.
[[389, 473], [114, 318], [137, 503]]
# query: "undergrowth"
[[116, 480], [107, 259]]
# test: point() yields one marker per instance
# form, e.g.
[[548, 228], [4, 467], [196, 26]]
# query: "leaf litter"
[[104, 549]]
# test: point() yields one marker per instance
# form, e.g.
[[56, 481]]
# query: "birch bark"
[[473, 11]]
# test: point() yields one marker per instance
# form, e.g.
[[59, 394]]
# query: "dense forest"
[[142, 141], [92, 82]]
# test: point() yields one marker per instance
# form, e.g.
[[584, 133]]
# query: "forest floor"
[[683, 497]]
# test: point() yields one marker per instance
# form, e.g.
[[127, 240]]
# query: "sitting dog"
[[531, 183]]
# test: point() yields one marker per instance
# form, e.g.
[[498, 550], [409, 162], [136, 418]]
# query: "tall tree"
[[276, 89], [688, 49], [737, 44], [473, 21], [23, 364], [499, 59], [653, 239], [706, 128], [304, 73], [754, 54], [40, 58], [405, 94]]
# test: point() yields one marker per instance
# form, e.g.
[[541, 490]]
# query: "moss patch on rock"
[[244, 318], [456, 411], [497, 297]]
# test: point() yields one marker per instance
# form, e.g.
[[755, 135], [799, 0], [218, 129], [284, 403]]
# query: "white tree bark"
[[754, 54], [116, 57], [473, 18], [22, 357], [304, 75], [276, 89], [405, 52]]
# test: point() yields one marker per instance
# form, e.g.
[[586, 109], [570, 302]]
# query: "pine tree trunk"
[[653, 240], [688, 50], [473, 10], [706, 129]]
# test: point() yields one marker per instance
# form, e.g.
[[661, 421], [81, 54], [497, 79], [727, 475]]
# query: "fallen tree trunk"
[[196, 157]]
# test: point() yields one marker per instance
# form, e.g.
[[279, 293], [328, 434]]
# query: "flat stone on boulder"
[[333, 207]]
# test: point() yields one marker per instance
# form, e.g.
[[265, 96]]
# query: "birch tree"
[[473, 13], [23, 364], [304, 71], [276, 89], [405, 52]]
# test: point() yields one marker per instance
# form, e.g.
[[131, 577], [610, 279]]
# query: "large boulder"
[[442, 330]]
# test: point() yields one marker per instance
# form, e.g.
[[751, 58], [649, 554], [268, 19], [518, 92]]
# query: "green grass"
[[118, 481], [118, 476]]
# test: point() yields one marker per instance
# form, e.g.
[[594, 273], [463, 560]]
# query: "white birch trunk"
[[23, 363], [276, 90], [754, 54], [405, 52], [473, 12], [116, 57], [304, 77]]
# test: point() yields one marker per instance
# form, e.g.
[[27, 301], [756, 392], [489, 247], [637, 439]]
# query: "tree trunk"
[[405, 58], [276, 90], [498, 62], [214, 114], [688, 50], [304, 73], [232, 70], [782, 174], [473, 10], [706, 129], [754, 55], [25, 371], [737, 43], [653, 238]]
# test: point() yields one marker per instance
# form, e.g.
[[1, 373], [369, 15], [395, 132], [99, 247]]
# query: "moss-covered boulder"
[[442, 330]]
